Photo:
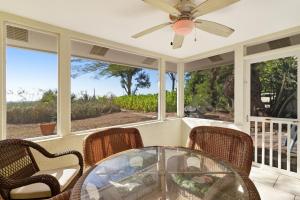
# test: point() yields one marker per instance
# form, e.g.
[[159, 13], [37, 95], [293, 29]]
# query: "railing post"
[[279, 144], [298, 115], [288, 153], [263, 132], [298, 147], [180, 90], [255, 141], [271, 144]]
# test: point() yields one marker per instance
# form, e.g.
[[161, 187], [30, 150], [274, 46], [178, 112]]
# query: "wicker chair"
[[227, 144], [252, 191], [62, 196], [102, 144], [21, 178]]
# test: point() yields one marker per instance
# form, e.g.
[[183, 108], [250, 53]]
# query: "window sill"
[[44, 138], [87, 132]]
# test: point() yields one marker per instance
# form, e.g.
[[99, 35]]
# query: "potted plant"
[[48, 128]]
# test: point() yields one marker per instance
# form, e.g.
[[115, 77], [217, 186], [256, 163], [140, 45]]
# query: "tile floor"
[[273, 186]]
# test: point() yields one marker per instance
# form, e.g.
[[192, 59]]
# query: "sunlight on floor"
[[272, 185]]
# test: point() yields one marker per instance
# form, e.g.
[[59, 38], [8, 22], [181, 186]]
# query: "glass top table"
[[161, 173]]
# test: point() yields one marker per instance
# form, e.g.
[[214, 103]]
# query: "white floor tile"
[[288, 184], [269, 193], [263, 176]]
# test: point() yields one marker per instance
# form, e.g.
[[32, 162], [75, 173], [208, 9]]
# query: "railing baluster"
[[271, 144], [263, 142], [298, 148], [255, 141], [279, 144], [288, 153], [277, 131]]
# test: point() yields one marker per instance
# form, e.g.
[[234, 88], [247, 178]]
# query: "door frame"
[[271, 55], [265, 56]]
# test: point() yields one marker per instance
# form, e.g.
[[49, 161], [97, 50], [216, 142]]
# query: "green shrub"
[[84, 107], [45, 111], [143, 103], [92, 108], [33, 112], [171, 101], [146, 103]]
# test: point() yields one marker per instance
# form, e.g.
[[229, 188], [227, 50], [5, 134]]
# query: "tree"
[[277, 80], [49, 96], [211, 88], [172, 76], [131, 78]]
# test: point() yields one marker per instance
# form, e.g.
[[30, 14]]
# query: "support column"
[[162, 91], [180, 90], [64, 86], [239, 87], [2, 80]]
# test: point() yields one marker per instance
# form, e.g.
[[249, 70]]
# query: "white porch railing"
[[276, 143]]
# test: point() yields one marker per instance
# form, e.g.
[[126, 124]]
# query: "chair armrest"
[[76, 153], [47, 154], [62, 196], [49, 180]]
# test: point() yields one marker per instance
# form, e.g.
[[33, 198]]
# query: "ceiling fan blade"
[[164, 6], [214, 28], [210, 6], [177, 41], [150, 30]]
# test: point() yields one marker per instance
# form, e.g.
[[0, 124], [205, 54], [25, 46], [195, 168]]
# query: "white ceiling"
[[117, 20]]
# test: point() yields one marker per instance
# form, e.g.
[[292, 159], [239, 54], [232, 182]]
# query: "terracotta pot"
[[47, 128]]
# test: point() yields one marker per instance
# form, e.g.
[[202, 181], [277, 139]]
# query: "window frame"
[[3, 74], [125, 64]]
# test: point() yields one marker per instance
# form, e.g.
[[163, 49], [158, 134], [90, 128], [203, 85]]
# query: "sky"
[[29, 73]]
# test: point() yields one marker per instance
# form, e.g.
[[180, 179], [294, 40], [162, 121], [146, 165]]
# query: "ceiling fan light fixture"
[[183, 27]]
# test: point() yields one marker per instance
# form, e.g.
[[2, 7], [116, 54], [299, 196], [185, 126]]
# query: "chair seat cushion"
[[40, 190]]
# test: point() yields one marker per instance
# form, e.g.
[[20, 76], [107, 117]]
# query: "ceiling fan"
[[183, 18]]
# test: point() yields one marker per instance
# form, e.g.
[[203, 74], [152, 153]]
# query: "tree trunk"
[[213, 88], [257, 106], [173, 79], [128, 84], [229, 89], [173, 85], [279, 100]]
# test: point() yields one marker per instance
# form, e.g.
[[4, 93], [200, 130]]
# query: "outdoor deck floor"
[[274, 186]]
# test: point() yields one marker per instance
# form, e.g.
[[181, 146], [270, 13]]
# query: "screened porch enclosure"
[[207, 89], [251, 86]]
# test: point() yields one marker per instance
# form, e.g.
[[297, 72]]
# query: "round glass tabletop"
[[162, 173]]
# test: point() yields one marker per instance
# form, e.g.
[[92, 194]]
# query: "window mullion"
[[239, 86], [180, 90], [2, 81], [162, 91], [64, 86]]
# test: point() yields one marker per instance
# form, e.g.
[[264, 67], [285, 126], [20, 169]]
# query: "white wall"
[[172, 132], [153, 133], [187, 124]]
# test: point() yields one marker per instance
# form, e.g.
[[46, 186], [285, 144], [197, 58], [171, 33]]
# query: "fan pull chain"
[[171, 43]]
